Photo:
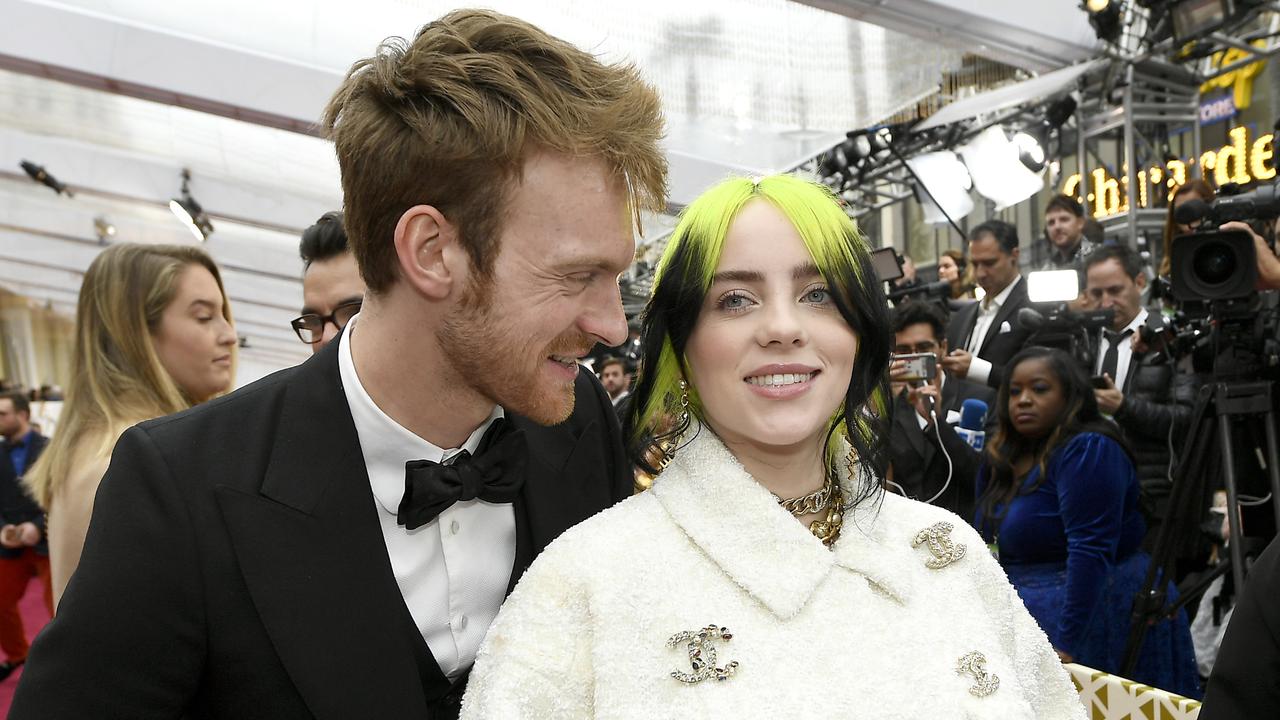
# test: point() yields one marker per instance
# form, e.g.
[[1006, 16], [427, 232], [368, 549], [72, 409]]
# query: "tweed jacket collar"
[[760, 546]]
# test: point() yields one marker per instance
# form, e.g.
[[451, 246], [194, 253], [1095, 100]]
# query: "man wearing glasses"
[[331, 286]]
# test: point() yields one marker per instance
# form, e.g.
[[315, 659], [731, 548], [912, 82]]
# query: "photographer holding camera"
[[928, 460], [1136, 385]]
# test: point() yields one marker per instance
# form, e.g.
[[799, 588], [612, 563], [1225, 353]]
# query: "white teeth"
[[779, 379], [564, 360]]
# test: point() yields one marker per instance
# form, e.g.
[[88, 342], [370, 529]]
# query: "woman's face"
[[947, 269], [194, 340], [1036, 398], [770, 354], [1178, 201]]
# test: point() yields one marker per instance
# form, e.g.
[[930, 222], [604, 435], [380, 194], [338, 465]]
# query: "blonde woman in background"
[[154, 336]]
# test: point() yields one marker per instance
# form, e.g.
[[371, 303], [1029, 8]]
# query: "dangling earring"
[[667, 448]]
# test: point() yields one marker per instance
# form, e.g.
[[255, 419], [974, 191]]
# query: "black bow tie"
[[494, 474]]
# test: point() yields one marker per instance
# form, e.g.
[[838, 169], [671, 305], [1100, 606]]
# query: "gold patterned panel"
[[1108, 697]]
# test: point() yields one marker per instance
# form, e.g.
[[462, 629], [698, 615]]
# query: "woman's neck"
[[785, 471]]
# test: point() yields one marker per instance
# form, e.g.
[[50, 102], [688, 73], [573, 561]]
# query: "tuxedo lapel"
[[963, 322], [1012, 303], [313, 557], [562, 462], [904, 417]]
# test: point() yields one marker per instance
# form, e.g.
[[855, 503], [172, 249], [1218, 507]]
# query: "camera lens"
[[1214, 263]]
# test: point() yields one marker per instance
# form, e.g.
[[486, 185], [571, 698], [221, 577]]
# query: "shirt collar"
[[1138, 321], [386, 444], [742, 529], [22, 439], [998, 300]]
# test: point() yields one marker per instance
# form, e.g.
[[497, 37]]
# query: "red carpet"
[[34, 616]]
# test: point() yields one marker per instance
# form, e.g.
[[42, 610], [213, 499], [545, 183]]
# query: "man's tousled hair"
[[448, 118]]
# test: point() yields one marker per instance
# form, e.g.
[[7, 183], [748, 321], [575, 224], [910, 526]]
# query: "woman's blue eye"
[[817, 295], [733, 302]]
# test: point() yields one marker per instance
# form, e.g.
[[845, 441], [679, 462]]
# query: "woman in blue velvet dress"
[[1058, 502]]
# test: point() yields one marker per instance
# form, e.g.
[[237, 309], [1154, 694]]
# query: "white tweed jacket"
[[866, 629]]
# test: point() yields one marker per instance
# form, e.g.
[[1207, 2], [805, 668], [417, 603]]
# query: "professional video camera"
[[1055, 324], [1232, 439], [1218, 310]]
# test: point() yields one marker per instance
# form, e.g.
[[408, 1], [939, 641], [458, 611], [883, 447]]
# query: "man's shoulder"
[[239, 408]]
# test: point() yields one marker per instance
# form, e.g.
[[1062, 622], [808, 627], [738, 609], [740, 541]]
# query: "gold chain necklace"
[[808, 504], [828, 497]]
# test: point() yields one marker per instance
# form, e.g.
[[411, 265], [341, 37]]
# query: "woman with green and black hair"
[[766, 574]]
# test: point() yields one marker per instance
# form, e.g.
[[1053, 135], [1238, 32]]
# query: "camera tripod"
[[1218, 406]]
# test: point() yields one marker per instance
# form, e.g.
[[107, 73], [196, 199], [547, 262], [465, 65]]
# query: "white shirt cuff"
[[979, 371]]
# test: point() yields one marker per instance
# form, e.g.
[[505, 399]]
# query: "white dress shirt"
[[453, 572], [980, 369], [1124, 353]]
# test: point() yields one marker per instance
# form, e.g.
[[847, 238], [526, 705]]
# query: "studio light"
[[1104, 16], [1047, 286], [947, 182], [1030, 151], [996, 168], [189, 212], [42, 176]]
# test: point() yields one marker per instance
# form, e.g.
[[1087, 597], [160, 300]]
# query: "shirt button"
[[462, 622], [454, 527]]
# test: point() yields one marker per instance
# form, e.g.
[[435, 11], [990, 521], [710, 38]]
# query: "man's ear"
[[1141, 280], [427, 252]]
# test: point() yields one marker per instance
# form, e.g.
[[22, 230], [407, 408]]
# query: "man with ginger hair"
[[333, 541]]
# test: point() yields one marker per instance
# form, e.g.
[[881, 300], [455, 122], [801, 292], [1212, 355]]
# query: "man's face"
[[12, 423], [1109, 287], [920, 338], [553, 293], [1064, 228], [993, 268], [614, 379], [327, 284]]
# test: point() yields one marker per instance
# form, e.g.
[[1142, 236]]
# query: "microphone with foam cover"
[[973, 416]]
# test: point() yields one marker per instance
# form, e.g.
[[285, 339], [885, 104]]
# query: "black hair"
[[19, 400], [914, 313], [1123, 254], [323, 240], [1080, 414], [1064, 202], [1003, 232]]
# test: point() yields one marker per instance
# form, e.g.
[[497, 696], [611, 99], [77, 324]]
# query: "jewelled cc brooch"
[[702, 654], [944, 551], [975, 664]]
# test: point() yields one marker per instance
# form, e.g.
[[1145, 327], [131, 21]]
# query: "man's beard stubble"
[[486, 356]]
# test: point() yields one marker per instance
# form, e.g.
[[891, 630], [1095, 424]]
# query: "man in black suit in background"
[[333, 541], [917, 442], [985, 335]]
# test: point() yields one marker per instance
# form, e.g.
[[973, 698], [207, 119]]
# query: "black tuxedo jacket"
[[918, 463], [997, 347], [235, 566]]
